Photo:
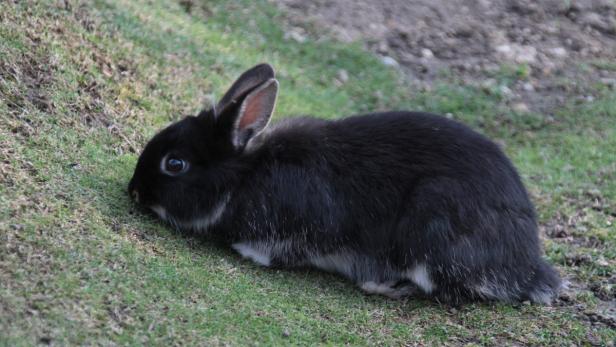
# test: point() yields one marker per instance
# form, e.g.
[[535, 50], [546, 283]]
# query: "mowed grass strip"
[[83, 85]]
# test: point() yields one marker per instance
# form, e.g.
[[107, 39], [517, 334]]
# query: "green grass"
[[83, 87]]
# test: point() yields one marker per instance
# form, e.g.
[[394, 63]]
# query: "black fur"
[[389, 200]]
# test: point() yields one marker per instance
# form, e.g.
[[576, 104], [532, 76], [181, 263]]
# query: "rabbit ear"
[[254, 113], [248, 81]]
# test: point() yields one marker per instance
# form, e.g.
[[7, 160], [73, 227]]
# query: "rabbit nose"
[[135, 195]]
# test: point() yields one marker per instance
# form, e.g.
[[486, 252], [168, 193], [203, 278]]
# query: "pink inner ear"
[[254, 109]]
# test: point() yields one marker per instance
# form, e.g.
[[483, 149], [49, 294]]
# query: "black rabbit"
[[399, 202]]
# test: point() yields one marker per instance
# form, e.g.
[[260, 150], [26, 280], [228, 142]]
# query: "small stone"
[[506, 91], [609, 81], [559, 52], [383, 47], [559, 231], [517, 53], [520, 107], [526, 54], [548, 68], [594, 20], [342, 75], [491, 67], [577, 259], [389, 61], [590, 314], [488, 83], [566, 297], [75, 166], [504, 49], [528, 87], [426, 53], [296, 35], [286, 333]]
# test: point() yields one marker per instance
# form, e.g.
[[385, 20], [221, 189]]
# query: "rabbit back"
[[391, 198]]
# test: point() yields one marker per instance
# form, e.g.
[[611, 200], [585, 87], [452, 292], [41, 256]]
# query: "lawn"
[[84, 85]]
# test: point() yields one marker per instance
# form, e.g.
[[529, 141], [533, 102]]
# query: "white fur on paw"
[[160, 211], [253, 253], [371, 287], [384, 288], [542, 296], [420, 276]]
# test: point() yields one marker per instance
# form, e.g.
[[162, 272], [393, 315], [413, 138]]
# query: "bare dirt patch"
[[565, 48]]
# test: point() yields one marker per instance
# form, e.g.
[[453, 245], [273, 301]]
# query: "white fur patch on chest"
[[254, 252], [420, 276]]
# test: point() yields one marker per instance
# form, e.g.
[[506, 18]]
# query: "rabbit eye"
[[174, 165]]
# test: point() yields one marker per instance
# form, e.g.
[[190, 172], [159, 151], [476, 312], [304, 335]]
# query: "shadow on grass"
[[124, 216]]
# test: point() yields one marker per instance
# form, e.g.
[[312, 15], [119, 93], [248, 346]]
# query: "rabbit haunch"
[[401, 203]]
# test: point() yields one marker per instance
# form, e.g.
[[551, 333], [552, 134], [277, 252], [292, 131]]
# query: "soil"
[[567, 47]]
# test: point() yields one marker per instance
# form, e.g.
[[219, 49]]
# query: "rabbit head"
[[187, 171]]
